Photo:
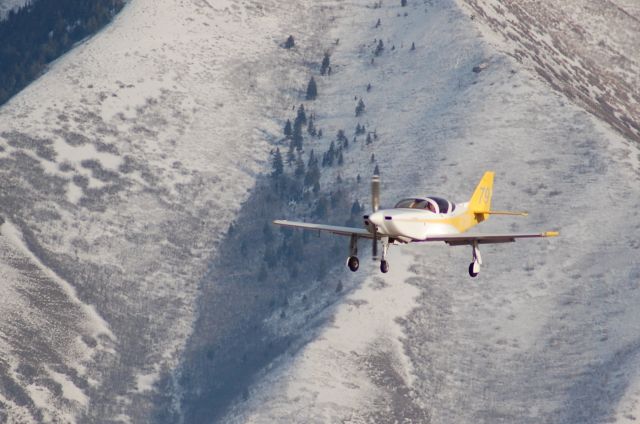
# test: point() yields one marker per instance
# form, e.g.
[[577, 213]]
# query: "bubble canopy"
[[433, 204]]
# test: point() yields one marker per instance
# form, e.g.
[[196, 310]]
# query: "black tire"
[[384, 266], [471, 273], [353, 263]]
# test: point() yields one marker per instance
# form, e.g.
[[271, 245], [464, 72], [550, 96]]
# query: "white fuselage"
[[416, 224]]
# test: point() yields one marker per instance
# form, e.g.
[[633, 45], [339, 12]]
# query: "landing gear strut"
[[384, 265], [352, 261], [474, 267]]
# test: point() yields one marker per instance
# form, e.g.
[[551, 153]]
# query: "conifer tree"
[[302, 115], [403, 3], [311, 129], [296, 137], [287, 129], [290, 155], [276, 164], [369, 140], [325, 64], [379, 48], [312, 89], [300, 168], [355, 207], [290, 43], [376, 170], [360, 108]]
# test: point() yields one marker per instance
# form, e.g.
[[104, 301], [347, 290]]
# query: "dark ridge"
[[42, 31]]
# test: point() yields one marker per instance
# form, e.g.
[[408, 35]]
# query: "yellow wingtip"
[[551, 234]]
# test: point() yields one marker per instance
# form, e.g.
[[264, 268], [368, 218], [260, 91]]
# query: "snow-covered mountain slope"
[[586, 49], [121, 169], [548, 332]]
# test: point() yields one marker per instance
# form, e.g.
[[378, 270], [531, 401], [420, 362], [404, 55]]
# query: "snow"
[[99, 325], [328, 378], [193, 94], [69, 390], [549, 326]]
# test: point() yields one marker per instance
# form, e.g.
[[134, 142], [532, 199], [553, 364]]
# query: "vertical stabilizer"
[[481, 199]]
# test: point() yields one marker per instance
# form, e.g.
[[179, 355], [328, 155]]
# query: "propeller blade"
[[375, 193], [374, 246]]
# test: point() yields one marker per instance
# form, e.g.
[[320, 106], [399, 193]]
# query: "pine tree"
[[360, 108], [376, 170], [290, 43], [379, 48], [355, 207], [312, 89], [290, 155], [378, 23], [340, 136], [296, 137], [325, 64], [403, 3], [302, 115], [373, 158], [300, 168], [276, 164], [369, 140], [311, 129], [287, 129], [413, 46]]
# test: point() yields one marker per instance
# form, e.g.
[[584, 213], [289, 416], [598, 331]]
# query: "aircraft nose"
[[376, 218]]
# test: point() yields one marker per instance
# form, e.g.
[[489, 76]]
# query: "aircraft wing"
[[343, 231], [464, 239]]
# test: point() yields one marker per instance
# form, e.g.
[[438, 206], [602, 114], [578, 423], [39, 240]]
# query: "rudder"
[[481, 198]]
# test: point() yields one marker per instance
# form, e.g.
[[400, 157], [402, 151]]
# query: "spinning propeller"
[[375, 205]]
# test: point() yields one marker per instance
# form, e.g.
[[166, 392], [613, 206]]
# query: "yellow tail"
[[480, 203]]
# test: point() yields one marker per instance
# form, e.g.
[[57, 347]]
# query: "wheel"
[[353, 263], [384, 266], [473, 270]]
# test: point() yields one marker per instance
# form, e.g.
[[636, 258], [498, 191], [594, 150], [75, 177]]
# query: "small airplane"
[[424, 219]]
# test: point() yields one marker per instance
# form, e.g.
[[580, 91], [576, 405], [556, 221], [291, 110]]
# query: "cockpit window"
[[406, 204], [433, 204], [444, 205], [415, 203]]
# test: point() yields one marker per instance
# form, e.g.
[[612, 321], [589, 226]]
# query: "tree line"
[[41, 31]]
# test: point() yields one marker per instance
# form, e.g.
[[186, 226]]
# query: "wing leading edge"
[[343, 231], [465, 239]]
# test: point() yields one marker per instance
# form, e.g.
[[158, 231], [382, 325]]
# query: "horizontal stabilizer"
[[514, 213]]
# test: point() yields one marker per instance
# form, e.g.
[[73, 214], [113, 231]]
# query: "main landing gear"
[[353, 263], [474, 267]]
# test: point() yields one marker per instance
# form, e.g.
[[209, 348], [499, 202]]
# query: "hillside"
[[137, 175]]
